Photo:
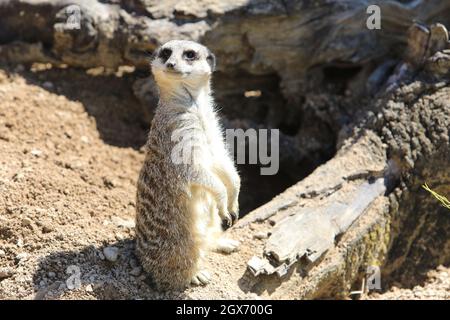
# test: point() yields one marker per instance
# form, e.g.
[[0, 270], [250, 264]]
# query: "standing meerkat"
[[181, 204]]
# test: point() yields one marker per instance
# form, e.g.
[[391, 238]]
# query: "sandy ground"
[[70, 156], [436, 287]]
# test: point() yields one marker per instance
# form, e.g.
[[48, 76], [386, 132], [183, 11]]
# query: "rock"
[[21, 256], [2, 253], [48, 85], [51, 274], [6, 273], [119, 236], [125, 223], [89, 288], [261, 235], [26, 222], [101, 256], [109, 183], [36, 152], [47, 229], [136, 271], [111, 253], [84, 139], [62, 287]]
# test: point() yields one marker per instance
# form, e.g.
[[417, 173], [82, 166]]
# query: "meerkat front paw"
[[227, 217], [226, 245], [201, 278]]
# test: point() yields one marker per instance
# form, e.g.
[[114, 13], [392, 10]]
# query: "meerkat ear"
[[211, 59]]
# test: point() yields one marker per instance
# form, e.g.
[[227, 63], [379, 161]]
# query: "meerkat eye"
[[164, 54], [190, 55]]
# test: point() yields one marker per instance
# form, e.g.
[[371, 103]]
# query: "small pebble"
[[22, 256], [84, 139], [6, 273], [48, 85], [109, 183], [62, 286], [89, 288], [136, 271], [36, 152], [47, 229], [261, 235], [26, 222], [111, 253]]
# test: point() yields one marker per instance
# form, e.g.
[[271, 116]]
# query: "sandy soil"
[[70, 159], [70, 156], [436, 287]]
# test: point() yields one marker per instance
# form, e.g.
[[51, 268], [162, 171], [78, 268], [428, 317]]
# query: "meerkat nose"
[[170, 65]]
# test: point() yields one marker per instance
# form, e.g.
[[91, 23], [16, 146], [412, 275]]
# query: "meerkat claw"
[[228, 219], [234, 216], [201, 278]]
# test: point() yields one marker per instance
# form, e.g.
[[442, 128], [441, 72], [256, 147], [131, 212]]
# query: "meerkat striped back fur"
[[188, 183]]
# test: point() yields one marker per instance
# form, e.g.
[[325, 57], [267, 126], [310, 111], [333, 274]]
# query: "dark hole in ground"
[[257, 190], [337, 76]]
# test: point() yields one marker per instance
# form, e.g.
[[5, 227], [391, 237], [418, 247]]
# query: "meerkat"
[[180, 205]]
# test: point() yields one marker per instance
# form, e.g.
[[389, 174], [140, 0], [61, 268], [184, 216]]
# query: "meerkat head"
[[182, 62]]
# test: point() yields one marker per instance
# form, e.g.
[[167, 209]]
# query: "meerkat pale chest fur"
[[188, 183]]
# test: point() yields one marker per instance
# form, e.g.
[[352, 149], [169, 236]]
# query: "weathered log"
[[110, 34]]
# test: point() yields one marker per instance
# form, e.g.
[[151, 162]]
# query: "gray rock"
[[111, 253], [136, 271], [101, 256], [48, 85]]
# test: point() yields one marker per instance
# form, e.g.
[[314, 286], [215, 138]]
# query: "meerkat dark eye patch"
[[165, 54], [190, 55]]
